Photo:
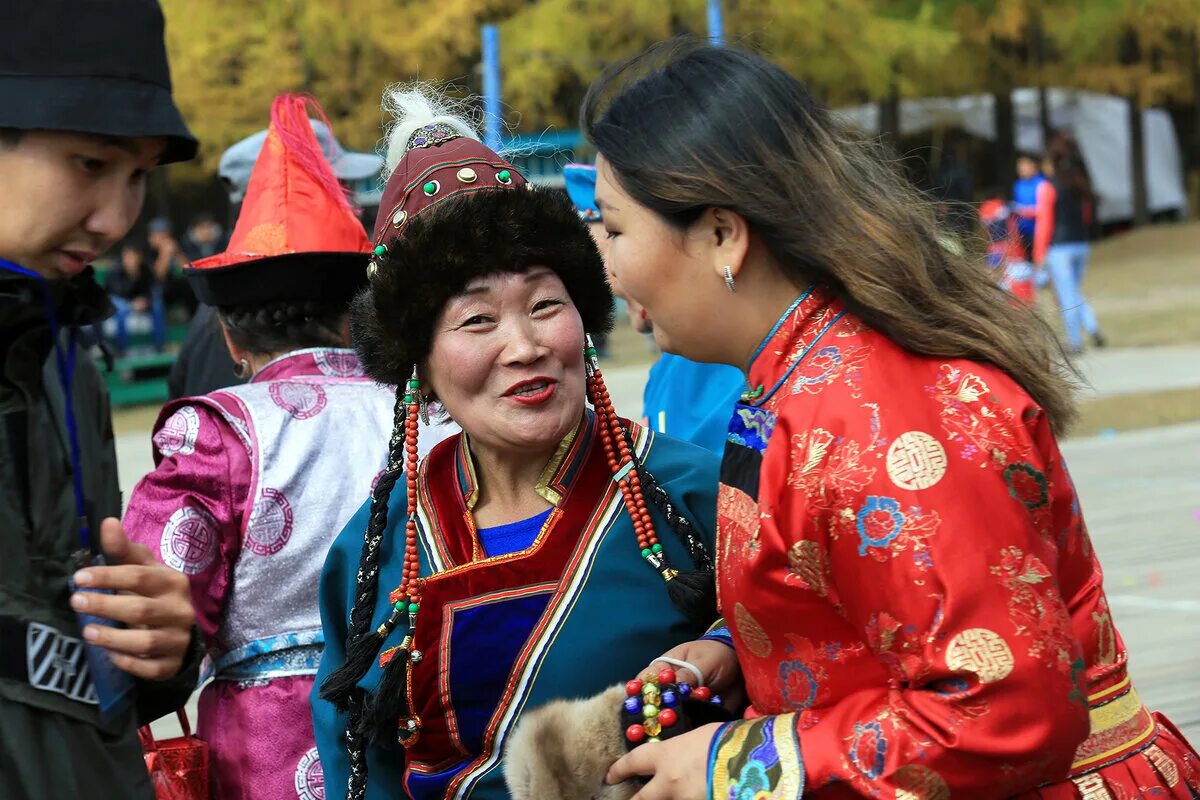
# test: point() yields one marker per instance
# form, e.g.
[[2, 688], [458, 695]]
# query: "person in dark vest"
[[1060, 245], [96, 637]]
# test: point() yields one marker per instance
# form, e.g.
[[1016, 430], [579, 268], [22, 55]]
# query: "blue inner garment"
[[501, 540]]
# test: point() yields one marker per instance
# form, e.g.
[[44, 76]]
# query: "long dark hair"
[[687, 126]]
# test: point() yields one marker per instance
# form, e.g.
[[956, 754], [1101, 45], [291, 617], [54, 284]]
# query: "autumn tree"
[[1143, 50], [231, 57]]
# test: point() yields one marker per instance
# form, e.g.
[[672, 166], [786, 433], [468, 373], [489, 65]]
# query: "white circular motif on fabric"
[[310, 778], [916, 460], [301, 400], [177, 436], [189, 541], [270, 524], [339, 365], [981, 651]]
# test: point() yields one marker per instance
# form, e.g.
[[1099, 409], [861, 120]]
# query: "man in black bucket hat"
[[95, 634]]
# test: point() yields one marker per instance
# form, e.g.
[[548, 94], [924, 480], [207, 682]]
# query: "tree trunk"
[[1137, 155], [889, 116], [1038, 37], [1191, 158], [1006, 135], [1194, 48]]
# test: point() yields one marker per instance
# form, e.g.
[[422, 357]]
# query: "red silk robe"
[[911, 591]]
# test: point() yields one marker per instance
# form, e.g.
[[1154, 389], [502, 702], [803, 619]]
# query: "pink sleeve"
[[188, 511], [1043, 227]]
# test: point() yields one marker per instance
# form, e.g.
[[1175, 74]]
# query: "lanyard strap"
[[65, 362]]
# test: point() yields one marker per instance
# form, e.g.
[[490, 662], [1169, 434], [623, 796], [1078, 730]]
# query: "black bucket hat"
[[89, 66]]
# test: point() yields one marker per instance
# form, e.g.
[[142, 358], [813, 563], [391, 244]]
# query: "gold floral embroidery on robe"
[[975, 418], [1035, 607]]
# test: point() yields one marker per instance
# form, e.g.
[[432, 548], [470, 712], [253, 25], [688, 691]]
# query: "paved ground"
[[1140, 369], [1141, 497]]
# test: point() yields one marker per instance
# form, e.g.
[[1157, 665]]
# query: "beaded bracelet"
[[656, 707]]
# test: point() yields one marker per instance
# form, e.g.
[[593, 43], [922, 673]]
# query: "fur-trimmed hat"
[[453, 211]]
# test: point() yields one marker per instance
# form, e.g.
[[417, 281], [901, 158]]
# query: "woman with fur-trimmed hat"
[[252, 482], [545, 552]]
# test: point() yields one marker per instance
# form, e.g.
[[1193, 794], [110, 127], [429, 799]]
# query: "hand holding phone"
[[134, 607]]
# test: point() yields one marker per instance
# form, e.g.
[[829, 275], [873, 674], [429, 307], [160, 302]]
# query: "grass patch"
[[1130, 412], [134, 419], [1145, 286]]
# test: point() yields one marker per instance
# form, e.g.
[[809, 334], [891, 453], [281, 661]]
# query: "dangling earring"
[[422, 400], [729, 280], [242, 369]]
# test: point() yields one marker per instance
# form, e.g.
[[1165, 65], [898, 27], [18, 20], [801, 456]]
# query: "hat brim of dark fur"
[[327, 277], [457, 241]]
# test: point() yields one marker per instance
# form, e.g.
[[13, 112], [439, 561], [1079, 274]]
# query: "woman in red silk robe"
[[903, 567]]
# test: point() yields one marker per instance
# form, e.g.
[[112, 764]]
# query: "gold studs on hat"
[[467, 175], [399, 218], [372, 268]]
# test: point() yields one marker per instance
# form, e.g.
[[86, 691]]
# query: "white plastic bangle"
[[681, 664]]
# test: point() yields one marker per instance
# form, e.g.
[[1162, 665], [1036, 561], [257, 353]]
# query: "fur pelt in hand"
[[563, 750]]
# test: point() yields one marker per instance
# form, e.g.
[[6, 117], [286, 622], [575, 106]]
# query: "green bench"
[[139, 380]]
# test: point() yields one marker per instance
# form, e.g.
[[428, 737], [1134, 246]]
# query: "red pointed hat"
[[297, 237]]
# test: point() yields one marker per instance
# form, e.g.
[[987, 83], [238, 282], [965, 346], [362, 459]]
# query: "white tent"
[[1099, 122]]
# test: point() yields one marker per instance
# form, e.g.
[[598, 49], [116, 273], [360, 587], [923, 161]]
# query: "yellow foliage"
[[230, 58]]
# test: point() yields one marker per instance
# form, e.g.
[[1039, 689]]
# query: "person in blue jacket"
[[1024, 199], [684, 399]]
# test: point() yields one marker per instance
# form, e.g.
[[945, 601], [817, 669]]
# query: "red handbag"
[[178, 767]]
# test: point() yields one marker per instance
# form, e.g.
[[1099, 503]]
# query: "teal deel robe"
[[575, 614]]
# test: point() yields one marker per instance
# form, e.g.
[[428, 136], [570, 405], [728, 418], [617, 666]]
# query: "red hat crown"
[[294, 203], [439, 163]]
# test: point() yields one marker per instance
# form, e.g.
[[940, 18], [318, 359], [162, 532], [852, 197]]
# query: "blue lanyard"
[[65, 361]]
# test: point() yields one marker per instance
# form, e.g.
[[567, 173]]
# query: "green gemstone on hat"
[[381, 250], [504, 176], [430, 189]]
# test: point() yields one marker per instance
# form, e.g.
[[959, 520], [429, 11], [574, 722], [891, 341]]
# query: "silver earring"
[[242, 369], [418, 396], [729, 280], [591, 362]]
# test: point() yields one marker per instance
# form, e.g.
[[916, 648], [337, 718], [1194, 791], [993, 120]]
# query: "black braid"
[[356, 784], [285, 325], [677, 522], [363, 644]]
